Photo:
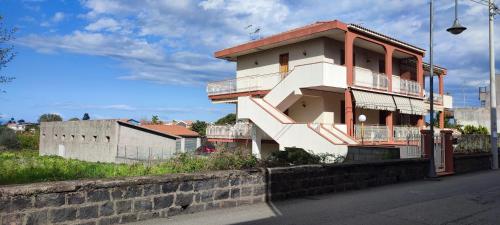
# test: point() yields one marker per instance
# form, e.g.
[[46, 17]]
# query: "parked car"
[[205, 149]]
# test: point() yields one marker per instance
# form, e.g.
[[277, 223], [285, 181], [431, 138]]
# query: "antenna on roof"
[[254, 34]]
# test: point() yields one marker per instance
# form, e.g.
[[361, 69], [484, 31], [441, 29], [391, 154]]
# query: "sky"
[[135, 59]]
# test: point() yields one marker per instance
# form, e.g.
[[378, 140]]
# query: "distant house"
[[182, 123], [113, 140], [189, 141], [16, 126]]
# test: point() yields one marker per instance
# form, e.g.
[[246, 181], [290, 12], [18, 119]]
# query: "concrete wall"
[[268, 61], [465, 163], [103, 141], [473, 116], [323, 107], [90, 140]]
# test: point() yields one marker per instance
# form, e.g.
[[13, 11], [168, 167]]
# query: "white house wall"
[[268, 61]]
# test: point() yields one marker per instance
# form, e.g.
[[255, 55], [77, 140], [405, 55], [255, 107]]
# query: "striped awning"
[[369, 100], [418, 106], [403, 104]]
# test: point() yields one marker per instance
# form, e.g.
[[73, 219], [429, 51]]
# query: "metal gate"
[[439, 157]]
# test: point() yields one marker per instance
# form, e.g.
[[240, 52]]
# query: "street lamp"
[[362, 119], [456, 28], [432, 165]]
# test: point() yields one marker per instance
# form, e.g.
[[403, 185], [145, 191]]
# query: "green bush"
[[470, 129], [292, 156], [8, 138], [28, 141]]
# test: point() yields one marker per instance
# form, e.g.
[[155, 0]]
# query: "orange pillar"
[[420, 74], [441, 84], [421, 122], [441, 119], [426, 143], [349, 116], [349, 54], [389, 122]]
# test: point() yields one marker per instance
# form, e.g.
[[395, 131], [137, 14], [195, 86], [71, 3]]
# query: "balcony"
[[406, 133], [366, 78], [244, 84], [237, 131], [438, 99], [407, 87], [371, 133]]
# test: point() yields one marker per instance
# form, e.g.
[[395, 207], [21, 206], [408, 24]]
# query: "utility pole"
[[493, 95], [432, 166]]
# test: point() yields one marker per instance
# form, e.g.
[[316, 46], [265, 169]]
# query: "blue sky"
[[135, 59]]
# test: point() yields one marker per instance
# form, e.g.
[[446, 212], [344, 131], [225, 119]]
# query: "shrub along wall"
[[140, 198]]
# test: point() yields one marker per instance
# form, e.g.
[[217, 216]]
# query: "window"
[[63, 137], [72, 137], [55, 136], [108, 139], [43, 135], [342, 57], [483, 103], [95, 138], [83, 137]]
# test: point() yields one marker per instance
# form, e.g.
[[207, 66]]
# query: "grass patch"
[[27, 166]]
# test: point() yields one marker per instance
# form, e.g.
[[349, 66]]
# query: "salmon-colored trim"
[[238, 94], [264, 100], [320, 134], [341, 139], [288, 35], [227, 140], [352, 139], [270, 113]]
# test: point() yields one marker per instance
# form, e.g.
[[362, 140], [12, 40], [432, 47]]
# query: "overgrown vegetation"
[[227, 119], [470, 129], [27, 167], [8, 138], [199, 127], [298, 156]]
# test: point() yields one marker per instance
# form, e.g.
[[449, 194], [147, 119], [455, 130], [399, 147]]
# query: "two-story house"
[[307, 88]]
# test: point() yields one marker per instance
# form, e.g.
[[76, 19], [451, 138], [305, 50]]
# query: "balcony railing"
[[408, 87], [404, 133], [245, 84], [237, 131], [438, 99], [371, 133], [366, 78]]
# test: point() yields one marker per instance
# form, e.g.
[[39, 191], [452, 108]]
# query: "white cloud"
[[58, 17], [172, 42]]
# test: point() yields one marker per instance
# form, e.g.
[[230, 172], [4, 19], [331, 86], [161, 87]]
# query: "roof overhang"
[[333, 29]]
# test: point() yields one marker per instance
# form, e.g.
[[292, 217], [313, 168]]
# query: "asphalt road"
[[465, 199]]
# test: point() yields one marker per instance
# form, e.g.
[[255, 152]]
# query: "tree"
[[199, 127], [21, 121], [86, 116], [49, 117], [74, 119], [227, 119], [6, 51], [156, 120], [8, 138]]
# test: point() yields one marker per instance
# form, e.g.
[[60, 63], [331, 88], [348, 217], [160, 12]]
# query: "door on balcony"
[[284, 64]]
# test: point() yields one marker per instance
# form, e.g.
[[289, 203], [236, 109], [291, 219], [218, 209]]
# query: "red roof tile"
[[171, 130]]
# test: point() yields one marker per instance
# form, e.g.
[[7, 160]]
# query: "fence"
[[244, 84], [371, 133], [367, 78], [237, 131], [472, 143], [403, 133], [144, 154]]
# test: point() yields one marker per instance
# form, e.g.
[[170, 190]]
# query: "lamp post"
[[432, 165], [456, 28], [362, 119]]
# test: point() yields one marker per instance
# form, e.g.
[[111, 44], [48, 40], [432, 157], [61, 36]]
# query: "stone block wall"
[[290, 182], [133, 199], [465, 163]]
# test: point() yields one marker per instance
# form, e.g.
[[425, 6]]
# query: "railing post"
[[427, 136]]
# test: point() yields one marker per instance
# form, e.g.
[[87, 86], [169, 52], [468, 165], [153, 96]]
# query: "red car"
[[205, 149]]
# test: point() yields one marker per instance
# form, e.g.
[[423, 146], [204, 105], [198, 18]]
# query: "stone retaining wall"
[[99, 202], [128, 200], [290, 182], [465, 163]]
